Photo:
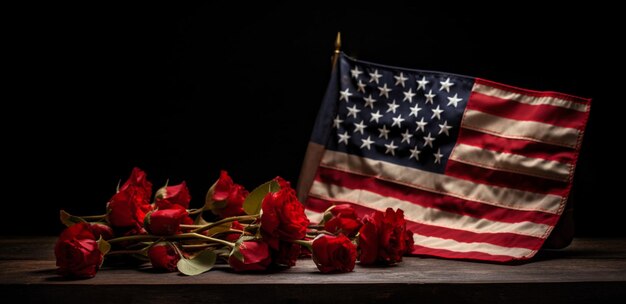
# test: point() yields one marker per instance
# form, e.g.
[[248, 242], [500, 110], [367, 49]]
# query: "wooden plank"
[[590, 270]]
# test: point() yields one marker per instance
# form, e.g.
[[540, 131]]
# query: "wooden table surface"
[[588, 271]]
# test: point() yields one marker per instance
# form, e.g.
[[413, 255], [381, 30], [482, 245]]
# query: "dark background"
[[184, 90]]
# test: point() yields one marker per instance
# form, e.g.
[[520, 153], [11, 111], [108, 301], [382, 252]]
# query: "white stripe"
[[531, 100], [439, 183], [511, 162], [452, 245], [519, 129], [424, 215], [314, 216]]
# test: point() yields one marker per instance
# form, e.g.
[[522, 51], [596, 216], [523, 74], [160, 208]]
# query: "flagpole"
[[314, 151]]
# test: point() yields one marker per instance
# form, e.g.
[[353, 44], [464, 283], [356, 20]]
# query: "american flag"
[[481, 169]]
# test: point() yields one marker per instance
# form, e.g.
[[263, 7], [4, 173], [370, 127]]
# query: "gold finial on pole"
[[337, 49]]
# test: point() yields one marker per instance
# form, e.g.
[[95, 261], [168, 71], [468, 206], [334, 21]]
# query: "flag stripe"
[[520, 111], [516, 146], [312, 215], [460, 235], [430, 199], [438, 183], [506, 179], [419, 214], [502, 91], [469, 255], [511, 162], [317, 205], [529, 130], [466, 247], [499, 239]]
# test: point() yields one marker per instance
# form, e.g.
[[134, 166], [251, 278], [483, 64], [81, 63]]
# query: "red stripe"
[[317, 204], [533, 93], [500, 239], [432, 200], [520, 111], [506, 179], [472, 255], [504, 239], [526, 148]]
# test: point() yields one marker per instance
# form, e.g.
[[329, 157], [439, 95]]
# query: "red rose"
[[234, 202], [102, 230], [287, 254], [222, 186], [344, 210], [128, 207], [137, 178], [282, 182], [163, 256], [345, 225], [283, 217], [173, 195], [165, 222], [226, 198], [334, 253], [77, 252], [383, 237], [256, 256]]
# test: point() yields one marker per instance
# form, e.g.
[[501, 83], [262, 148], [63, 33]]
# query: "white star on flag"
[[367, 142], [375, 76], [345, 94], [445, 85], [355, 72], [400, 79]]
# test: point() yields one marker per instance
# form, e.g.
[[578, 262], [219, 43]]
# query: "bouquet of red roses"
[[252, 231]]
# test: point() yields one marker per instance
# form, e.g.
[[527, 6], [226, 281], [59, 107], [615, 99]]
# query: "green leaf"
[[104, 246], [160, 194], [237, 253], [69, 220], [327, 217], [208, 200], [244, 238], [146, 219], [252, 204], [202, 262]]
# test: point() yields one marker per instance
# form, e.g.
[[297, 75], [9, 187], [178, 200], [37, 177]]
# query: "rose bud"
[[256, 256], [165, 222], [77, 253], [163, 256], [102, 230], [345, 210], [341, 224], [173, 195], [334, 253], [225, 198], [128, 207]]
